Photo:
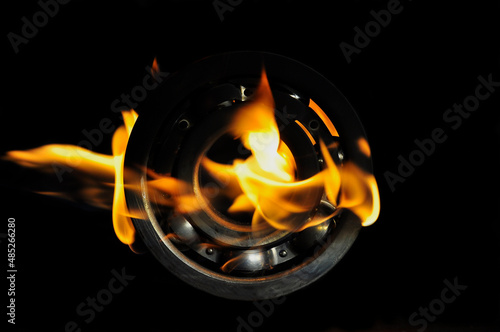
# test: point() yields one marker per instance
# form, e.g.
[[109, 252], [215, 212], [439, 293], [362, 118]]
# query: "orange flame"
[[264, 184], [155, 68], [357, 189], [121, 218], [364, 147], [326, 120], [261, 136], [98, 173], [267, 178]]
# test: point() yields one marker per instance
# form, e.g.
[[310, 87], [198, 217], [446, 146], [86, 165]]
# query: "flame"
[[175, 193], [265, 184], [155, 68], [322, 115], [364, 147], [311, 137], [261, 136], [155, 71], [267, 179], [122, 223], [96, 173], [352, 188]]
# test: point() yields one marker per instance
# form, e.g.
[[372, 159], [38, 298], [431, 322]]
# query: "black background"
[[441, 223]]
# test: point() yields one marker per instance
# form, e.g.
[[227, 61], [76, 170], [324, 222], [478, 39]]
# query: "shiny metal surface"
[[179, 125]]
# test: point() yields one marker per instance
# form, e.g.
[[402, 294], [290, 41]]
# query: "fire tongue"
[[267, 182], [267, 177], [98, 174]]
